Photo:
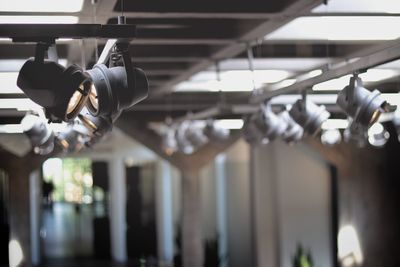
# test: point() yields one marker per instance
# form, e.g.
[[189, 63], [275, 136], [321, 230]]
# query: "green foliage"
[[71, 178], [302, 258]]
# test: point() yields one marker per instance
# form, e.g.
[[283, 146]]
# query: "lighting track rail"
[[51, 32], [385, 55]]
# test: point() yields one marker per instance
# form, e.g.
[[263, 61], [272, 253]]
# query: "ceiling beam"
[[294, 10], [204, 6]]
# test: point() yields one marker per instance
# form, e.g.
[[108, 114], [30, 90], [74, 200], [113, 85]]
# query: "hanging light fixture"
[[356, 133], [184, 145], [396, 123], [215, 132], [98, 126], [252, 134], [39, 134], [269, 124], [293, 132], [169, 143], [61, 91], [73, 139], [118, 86], [194, 134], [308, 115], [331, 137], [378, 135], [363, 106]]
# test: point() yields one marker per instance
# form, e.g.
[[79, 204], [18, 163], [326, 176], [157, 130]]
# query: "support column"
[[192, 245], [220, 184], [20, 239], [117, 183], [165, 233], [265, 204], [35, 212]]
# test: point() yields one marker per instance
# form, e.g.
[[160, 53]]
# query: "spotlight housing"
[[194, 134], [74, 138], [39, 134], [269, 124], [293, 132], [183, 143], [309, 116], [61, 91], [396, 122], [169, 143], [214, 132], [356, 133], [363, 106], [252, 134], [331, 137], [378, 135], [97, 126], [115, 87]]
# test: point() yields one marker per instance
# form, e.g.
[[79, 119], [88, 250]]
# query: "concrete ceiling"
[[179, 38]]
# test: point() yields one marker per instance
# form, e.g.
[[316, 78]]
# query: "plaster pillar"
[[165, 233], [192, 246], [117, 182], [20, 238]]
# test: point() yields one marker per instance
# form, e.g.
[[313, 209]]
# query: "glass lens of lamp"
[[93, 102], [76, 103], [64, 144], [375, 117], [88, 123]]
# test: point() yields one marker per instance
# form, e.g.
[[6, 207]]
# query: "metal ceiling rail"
[[343, 68], [39, 32], [278, 103]]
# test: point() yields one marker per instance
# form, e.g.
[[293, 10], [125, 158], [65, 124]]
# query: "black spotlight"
[[61, 91], [39, 134], [115, 87], [363, 106]]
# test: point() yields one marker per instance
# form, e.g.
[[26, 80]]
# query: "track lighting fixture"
[[118, 86], [378, 135], [194, 134], [183, 143], [396, 122], [74, 138], [98, 126], [252, 134], [308, 115], [331, 137], [39, 134], [214, 132], [293, 132], [169, 143], [269, 124], [363, 106], [61, 91], [356, 133]]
